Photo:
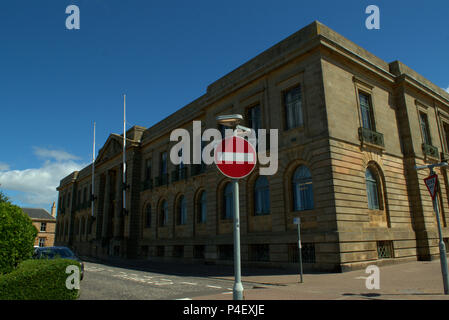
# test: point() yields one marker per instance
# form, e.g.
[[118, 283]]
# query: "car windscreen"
[[56, 253]]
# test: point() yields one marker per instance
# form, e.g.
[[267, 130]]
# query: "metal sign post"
[[432, 185], [297, 221], [235, 158]]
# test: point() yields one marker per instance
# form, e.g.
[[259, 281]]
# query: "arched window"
[[302, 189], [148, 216], [372, 189], [261, 196], [181, 211], [202, 207], [163, 214], [228, 202]]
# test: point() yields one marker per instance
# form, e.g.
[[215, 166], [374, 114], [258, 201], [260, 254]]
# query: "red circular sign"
[[235, 157]]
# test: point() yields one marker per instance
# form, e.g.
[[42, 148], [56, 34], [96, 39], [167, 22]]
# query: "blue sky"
[[55, 82]]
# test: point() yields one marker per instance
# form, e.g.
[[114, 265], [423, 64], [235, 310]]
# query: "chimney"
[[53, 210]]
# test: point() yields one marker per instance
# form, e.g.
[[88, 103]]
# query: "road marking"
[[361, 278], [191, 283], [226, 292], [162, 283], [184, 299], [216, 287], [166, 279]]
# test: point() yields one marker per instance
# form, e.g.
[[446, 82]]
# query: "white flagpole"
[[93, 174], [124, 153]]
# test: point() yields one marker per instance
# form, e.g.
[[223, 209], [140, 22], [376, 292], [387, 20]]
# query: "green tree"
[[17, 235], [3, 197]]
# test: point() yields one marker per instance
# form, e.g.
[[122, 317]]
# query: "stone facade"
[[340, 231]]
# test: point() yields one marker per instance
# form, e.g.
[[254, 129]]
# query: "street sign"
[[296, 220], [235, 157], [431, 184]]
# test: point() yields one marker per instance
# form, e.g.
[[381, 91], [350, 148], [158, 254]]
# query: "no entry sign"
[[431, 184], [235, 157]]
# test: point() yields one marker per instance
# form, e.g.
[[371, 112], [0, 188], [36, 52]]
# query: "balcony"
[[162, 180], [430, 150], [371, 137], [147, 185], [179, 174]]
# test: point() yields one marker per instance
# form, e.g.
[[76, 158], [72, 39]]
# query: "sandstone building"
[[351, 129], [45, 223]]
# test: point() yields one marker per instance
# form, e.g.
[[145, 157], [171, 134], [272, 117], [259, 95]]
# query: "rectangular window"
[[43, 226], [366, 111], [293, 108], [446, 135], [425, 128], [385, 249], [254, 118], [41, 242], [163, 165], [148, 170]]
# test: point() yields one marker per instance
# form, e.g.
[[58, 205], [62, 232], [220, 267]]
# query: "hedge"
[[17, 236], [39, 279]]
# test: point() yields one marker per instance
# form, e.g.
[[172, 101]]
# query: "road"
[[106, 282]]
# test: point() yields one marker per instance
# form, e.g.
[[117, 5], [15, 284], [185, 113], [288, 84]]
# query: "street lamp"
[[233, 121], [442, 247]]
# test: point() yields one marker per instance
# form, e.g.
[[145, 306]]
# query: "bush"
[[17, 236], [39, 279]]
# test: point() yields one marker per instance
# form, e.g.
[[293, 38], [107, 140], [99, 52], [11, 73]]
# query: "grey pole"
[[443, 259], [300, 249], [238, 287]]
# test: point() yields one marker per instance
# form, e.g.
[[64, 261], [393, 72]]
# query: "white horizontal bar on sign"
[[235, 157]]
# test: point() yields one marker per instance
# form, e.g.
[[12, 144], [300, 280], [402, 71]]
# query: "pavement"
[[406, 281], [417, 280]]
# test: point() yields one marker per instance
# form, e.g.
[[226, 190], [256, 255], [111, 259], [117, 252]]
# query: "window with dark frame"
[[163, 214], [366, 110], [446, 135], [148, 216], [372, 189], [181, 217], [202, 207], [43, 226], [424, 123], [228, 204], [302, 188], [261, 196], [254, 118], [148, 170], [293, 108]]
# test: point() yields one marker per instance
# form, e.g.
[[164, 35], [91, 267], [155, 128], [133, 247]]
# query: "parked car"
[[57, 252]]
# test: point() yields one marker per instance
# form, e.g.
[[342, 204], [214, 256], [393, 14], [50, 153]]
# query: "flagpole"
[[124, 153], [93, 174]]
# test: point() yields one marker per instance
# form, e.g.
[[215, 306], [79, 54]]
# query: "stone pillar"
[[106, 205]]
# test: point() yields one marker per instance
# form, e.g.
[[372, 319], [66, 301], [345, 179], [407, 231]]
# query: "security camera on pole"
[[432, 185], [235, 158]]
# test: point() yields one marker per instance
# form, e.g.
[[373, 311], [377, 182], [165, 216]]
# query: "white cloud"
[[58, 155], [37, 186], [4, 166], [447, 89]]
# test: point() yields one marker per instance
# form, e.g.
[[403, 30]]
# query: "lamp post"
[[233, 121], [442, 247]]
